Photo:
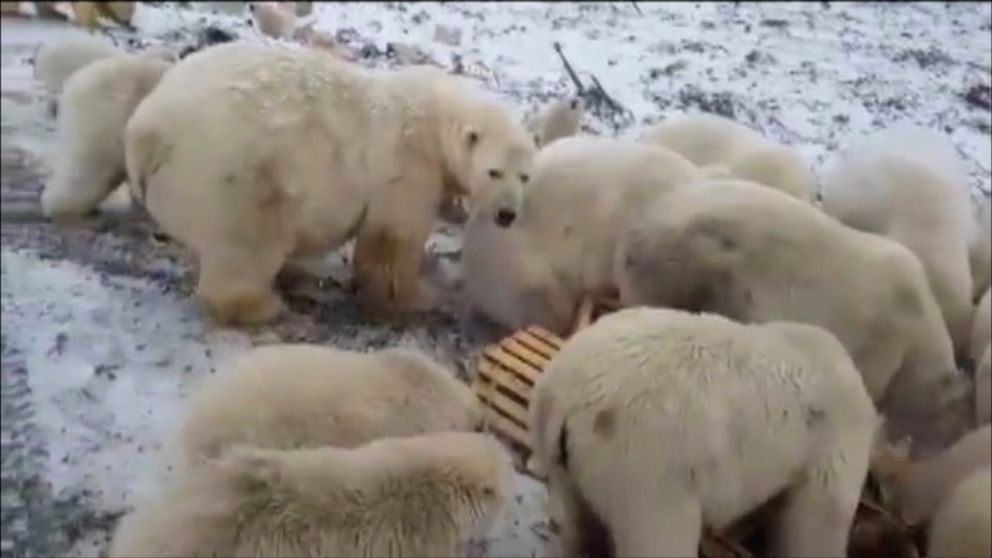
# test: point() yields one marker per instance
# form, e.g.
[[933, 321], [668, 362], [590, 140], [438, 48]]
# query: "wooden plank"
[[524, 352], [506, 379], [508, 406], [526, 373], [550, 339], [508, 360], [536, 344], [506, 425]]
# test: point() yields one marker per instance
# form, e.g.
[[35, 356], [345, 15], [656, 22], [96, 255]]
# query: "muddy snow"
[[101, 342]]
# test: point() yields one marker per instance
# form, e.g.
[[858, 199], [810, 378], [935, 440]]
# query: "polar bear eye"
[[495, 174], [524, 178]]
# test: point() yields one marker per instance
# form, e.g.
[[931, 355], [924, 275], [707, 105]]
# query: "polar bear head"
[[490, 157]]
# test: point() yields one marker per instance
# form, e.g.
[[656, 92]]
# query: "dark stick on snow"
[[638, 8], [568, 68], [610, 100]]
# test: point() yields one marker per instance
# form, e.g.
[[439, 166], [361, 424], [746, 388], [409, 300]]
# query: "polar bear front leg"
[[390, 244], [235, 284]]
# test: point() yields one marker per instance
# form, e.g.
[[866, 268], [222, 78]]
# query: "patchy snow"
[[100, 346]]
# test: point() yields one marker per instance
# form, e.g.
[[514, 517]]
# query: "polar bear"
[[915, 489], [905, 183], [656, 423], [709, 140], [560, 249], [981, 328], [55, 62], [417, 496], [288, 396], [96, 103], [560, 119], [274, 19], [962, 526], [249, 154], [980, 250], [755, 254]]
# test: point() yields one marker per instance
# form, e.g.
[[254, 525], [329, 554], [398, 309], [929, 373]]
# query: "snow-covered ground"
[[101, 342]]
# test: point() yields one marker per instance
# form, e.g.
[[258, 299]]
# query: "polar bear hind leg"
[[235, 284], [390, 243], [819, 509]]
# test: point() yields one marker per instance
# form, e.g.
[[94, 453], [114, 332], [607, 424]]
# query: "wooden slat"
[[549, 338], [536, 344], [506, 425], [518, 349], [506, 379], [508, 360], [508, 406]]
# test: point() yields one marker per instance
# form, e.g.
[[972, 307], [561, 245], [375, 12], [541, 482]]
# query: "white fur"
[[418, 496], [55, 62], [658, 423], [754, 254], [583, 192], [906, 183], [96, 103], [709, 140], [961, 527], [560, 119], [288, 396], [251, 154], [980, 250]]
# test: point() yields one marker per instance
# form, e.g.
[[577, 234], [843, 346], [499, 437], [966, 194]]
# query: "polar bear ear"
[[471, 138]]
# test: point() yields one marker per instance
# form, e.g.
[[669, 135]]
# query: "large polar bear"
[[96, 103], [584, 191], [288, 396], [713, 141], [905, 183], [656, 423], [559, 119], [250, 154], [962, 526], [980, 250], [754, 254], [417, 496]]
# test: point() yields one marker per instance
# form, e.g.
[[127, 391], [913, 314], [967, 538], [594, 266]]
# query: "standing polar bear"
[[560, 119], [726, 146], [584, 190], [290, 396], [251, 154], [654, 423], [417, 496], [906, 183], [96, 103], [755, 255]]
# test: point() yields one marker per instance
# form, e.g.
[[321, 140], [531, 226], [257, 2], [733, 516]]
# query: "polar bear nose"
[[505, 217]]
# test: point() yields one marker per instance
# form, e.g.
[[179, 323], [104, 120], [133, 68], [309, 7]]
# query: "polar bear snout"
[[505, 217]]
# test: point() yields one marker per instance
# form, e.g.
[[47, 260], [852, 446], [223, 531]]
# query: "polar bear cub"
[[906, 183], [560, 119], [709, 140], [583, 192], [962, 526], [289, 396], [417, 496], [96, 103], [656, 423], [250, 154], [755, 254]]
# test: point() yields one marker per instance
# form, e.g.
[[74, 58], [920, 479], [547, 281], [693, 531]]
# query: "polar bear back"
[[705, 139], [55, 62], [300, 396], [745, 408], [757, 255]]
